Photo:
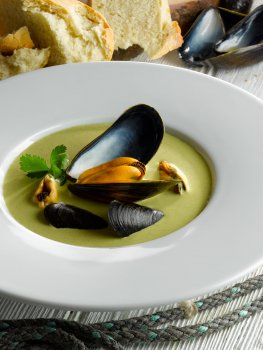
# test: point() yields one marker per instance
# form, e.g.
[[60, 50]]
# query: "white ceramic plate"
[[223, 243]]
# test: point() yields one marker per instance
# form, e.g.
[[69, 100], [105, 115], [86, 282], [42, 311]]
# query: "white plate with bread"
[[216, 248]]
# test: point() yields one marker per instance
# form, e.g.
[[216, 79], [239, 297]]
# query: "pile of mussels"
[[225, 36], [110, 169]]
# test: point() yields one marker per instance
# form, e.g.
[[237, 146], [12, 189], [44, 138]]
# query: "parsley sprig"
[[36, 167]]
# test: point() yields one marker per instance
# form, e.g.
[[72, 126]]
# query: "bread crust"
[[11, 42], [173, 40], [108, 36]]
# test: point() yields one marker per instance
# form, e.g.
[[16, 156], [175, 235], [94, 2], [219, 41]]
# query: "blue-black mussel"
[[137, 133], [128, 218], [112, 166], [208, 43], [62, 215]]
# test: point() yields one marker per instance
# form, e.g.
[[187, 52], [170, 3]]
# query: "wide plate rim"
[[132, 303]]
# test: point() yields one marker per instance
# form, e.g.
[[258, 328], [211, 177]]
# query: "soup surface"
[[178, 210]]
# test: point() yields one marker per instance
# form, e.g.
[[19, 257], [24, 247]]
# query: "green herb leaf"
[[36, 167], [37, 174], [33, 164], [58, 158]]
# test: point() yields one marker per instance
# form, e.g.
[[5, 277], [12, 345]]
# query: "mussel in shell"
[[123, 191], [241, 45], [240, 57], [111, 166], [137, 133], [130, 218], [249, 31], [62, 215], [200, 41]]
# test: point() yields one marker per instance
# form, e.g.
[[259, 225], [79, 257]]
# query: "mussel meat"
[[123, 191], [137, 133], [241, 45], [63, 215], [130, 218], [117, 170], [169, 171], [46, 192]]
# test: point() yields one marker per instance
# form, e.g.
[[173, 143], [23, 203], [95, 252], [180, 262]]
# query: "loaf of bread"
[[73, 31], [146, 23]]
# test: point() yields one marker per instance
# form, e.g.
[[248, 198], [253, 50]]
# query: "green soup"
[[178, 209]]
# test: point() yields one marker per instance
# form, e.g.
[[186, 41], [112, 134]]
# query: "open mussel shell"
[[200, 40], [137, 133], [123, 191], [249, 31], [128, 218], [63, 215]]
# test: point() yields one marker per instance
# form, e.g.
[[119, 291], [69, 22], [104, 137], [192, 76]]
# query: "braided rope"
[[61, 334]]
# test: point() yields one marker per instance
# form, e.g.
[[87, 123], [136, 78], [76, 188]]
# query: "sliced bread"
[[22, 60], [146, 23], [74, 31]]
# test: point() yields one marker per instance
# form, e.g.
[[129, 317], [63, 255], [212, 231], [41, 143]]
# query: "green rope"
[[68, 335]]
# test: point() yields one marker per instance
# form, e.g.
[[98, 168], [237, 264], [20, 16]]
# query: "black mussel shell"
[[123, 191], [63, 215], [242, 45], [200, 40], [127, 218], [249, 31], [185, 12], [242, 6], [137, 133], [237, 58]]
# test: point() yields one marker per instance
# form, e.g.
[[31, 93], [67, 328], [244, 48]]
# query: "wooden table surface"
[[244, 336]]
